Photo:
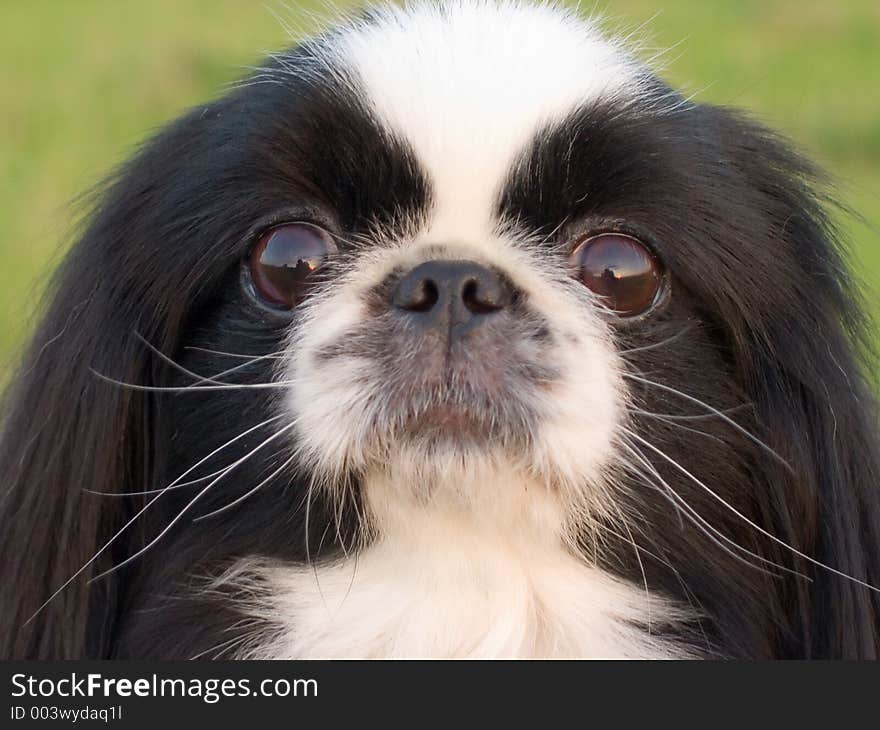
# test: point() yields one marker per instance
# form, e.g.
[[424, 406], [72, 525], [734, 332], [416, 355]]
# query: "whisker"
[[745, 432], [236, 368], [271, 356], [631, 540], [154, 491], [679, 417], [247, 494], [189, 504], [173, 363], [688, 593], [605, 528], [673, 422], [190, 388], [645, 348], [142, 510], [709, 530], [337, 517], [309, 560], [199, 379], [351, 581], [750, 522]]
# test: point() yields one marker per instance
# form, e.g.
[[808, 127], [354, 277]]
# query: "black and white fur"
[[187, 474]]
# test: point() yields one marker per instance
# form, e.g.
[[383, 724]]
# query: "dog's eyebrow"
[[315, 126], [597, 160]]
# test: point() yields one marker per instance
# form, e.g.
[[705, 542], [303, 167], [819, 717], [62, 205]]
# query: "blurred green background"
[[82, 81]]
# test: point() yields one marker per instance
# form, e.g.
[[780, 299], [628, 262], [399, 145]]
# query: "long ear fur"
[[805, 360], [64, 430]]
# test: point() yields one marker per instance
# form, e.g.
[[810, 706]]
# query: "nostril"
[[416, 294], [424, 296], [481, 298]]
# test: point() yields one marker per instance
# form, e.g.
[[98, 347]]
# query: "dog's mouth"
[[462, 400], [448, 420]]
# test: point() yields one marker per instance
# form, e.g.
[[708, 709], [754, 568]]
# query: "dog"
[[453, 331]]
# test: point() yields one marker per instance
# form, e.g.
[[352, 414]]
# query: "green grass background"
[[82, 81]]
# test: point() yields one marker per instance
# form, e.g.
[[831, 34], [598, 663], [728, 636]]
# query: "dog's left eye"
[[283, 260], [621, 270]]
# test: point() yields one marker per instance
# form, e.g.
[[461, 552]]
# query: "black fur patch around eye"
[[368, 175]]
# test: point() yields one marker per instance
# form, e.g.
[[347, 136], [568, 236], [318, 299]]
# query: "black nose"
[[451, 296]]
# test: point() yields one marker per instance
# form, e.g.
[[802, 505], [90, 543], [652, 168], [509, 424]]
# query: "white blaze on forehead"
[[468, 84]]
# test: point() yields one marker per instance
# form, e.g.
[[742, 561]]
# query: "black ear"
[[803, 346], [135, 271], [65, 432]]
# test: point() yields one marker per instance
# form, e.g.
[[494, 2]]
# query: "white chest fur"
[[460, 596]]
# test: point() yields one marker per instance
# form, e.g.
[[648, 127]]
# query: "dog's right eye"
[[283, 260]]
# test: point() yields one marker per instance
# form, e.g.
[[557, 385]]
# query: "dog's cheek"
[[584, 411], [327, 391]]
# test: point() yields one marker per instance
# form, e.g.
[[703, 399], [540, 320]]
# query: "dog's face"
[[499, 231], [479, 335], [493, 261]]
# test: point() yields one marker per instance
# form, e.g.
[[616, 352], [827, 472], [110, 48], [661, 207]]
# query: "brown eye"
[[283, 260], [621, 270]]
